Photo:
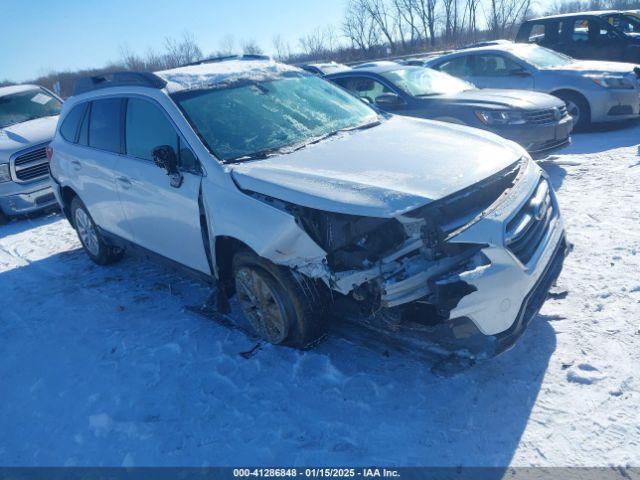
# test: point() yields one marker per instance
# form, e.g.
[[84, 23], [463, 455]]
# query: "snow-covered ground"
[[105, 366]]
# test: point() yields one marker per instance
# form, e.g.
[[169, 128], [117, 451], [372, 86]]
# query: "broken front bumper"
[[516, 241], [534, 300]]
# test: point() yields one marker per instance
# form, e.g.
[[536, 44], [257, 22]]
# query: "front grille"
[[526, 230], [461, 208], [545, 116], [31, 165]]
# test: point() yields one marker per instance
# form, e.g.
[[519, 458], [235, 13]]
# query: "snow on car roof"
[[576, 14], [16, 89], [214, 73]]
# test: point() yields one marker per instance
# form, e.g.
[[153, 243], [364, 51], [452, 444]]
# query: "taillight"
[[49, 152]]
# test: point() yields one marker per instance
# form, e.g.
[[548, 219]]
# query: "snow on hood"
[[384, 171], [525, 99], [594, 66], [211, 74], [26, 134]]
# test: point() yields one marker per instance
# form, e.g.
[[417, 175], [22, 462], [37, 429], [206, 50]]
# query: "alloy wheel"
[[87, 232], [261, 305], [574, 111]]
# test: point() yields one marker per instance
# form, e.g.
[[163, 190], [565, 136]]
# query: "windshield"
[[421, 82], [28, 105], [541, 57], [244, 120]]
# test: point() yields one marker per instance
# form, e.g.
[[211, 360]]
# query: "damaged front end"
[[446, 263]]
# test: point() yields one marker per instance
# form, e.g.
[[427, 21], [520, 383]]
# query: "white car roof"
[[16, 89], [213, 73]]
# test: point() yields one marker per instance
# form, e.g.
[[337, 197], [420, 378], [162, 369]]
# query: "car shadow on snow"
[[556, 172], [111, 360], [23, 223], [605, 137]]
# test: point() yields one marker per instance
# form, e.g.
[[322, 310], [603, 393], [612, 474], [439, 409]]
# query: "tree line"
[[370, 29]]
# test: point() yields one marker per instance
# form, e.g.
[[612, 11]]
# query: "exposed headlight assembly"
[[612, 81], [500, 117], [5, 174]]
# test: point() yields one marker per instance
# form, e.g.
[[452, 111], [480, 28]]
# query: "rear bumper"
[[19, 199]]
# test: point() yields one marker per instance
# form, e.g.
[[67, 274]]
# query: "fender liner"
[[221, 299]]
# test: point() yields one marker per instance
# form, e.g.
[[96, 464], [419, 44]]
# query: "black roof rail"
[[249, 56], [118, 79]]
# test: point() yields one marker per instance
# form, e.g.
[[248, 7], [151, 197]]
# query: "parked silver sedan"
[[594, 91]]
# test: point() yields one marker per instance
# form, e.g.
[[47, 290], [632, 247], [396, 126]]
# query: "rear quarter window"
[[458, 67], [71, 123]]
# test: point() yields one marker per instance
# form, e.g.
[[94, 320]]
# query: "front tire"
[[282, 309], [92, 241], [578, 108]]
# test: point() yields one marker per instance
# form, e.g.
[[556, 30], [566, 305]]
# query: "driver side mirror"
[[389, 100], [165, 157]]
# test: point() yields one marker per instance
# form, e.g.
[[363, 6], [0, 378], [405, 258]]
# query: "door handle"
[[76, 165], [124, 182]]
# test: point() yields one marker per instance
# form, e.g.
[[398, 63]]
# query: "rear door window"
[[364, 87], [545, 33], [492, 65], [71, 123], [458, 67], [104, 124]]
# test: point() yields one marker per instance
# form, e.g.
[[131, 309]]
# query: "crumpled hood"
[[26, 134], [502, 98], [384, 171], [595, 66]]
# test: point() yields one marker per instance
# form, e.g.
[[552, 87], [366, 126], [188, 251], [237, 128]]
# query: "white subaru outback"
[[285, 190]]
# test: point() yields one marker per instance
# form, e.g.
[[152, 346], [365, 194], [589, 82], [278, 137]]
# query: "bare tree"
[[359, 28], [314, 43], [451, 20], [181, 52], [227, 46], [409, 15], [504, 15], [380, 15], [281, 48], [427, 13], [251, 47]]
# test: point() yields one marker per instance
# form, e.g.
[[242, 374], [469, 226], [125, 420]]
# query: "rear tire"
[[92, 241], [578, 108], [282, 307]]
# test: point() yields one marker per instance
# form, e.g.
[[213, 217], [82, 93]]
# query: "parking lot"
[[107, 366]]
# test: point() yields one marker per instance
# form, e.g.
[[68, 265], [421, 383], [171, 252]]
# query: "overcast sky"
[[39, 36]]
